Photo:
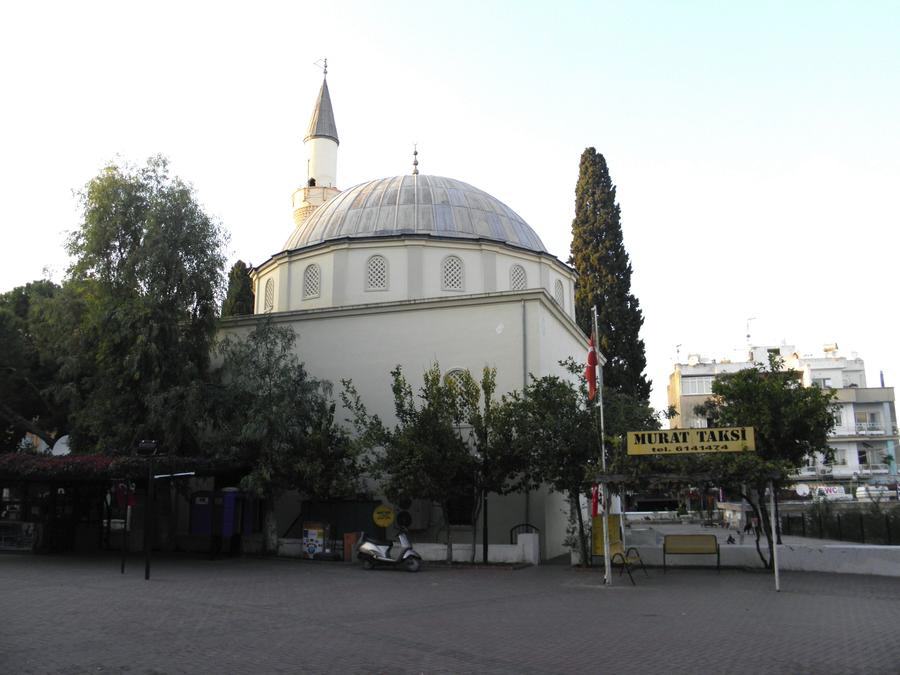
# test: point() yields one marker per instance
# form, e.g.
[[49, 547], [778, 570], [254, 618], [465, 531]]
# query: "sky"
[[755, 146]]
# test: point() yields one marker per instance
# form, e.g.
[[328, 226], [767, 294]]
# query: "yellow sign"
[[383, 515], [613, 529], [689, 441]]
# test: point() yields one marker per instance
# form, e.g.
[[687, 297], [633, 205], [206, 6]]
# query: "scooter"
[[373, 552]]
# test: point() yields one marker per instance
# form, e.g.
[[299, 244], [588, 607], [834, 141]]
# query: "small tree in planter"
[[423, 456]]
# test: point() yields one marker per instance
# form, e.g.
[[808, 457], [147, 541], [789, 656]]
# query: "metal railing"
[[841, 470], [865, 528]]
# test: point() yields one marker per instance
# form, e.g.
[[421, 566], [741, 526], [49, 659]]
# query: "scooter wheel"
[[368, 564], [412, 564]]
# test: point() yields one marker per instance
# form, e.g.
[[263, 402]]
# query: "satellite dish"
[[802, 489], [61, 446]]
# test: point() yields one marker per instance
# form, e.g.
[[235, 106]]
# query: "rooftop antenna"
[[323, 64], [678, 353], [749, 319], [415, 159]]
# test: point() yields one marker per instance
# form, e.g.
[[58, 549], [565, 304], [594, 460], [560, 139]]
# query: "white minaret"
[[321, 143]]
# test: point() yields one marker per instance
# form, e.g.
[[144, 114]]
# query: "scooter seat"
[[379, 542]]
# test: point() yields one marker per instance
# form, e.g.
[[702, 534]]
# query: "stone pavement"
[[79, 615]]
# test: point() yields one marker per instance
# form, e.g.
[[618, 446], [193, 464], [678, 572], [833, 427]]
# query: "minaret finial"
[[323, 64], [415, 159]]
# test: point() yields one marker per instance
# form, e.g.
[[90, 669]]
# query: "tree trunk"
[[446, 510], [755, 508], [575, 502], [270, 528], [766, 525], [476, 511]]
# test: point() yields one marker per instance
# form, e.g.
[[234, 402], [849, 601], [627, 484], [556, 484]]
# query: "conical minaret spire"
[[321, 144], [321, 123]]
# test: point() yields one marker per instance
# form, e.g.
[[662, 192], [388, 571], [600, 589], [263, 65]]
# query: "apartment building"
[[865, 439]]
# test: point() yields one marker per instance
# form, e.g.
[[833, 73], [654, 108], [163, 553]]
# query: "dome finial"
[[415, 159]]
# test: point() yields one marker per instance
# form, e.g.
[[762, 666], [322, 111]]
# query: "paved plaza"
[[250, 615]]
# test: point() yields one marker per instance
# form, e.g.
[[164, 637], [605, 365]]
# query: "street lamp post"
[[148, 449]]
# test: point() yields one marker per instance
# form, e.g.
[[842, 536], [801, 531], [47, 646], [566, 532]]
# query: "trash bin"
[[349, 542]]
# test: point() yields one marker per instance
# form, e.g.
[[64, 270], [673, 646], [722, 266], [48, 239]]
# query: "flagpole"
[[607, 577]]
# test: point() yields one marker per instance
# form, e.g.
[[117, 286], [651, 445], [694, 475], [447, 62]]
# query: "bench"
[[618, 554], [625, 558], [690, 544]]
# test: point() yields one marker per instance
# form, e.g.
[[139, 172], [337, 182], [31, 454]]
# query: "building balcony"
[[840, 471], [869, 428], [865, 429]]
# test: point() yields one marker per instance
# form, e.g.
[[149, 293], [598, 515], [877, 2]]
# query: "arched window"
[[454, 376], [312, 282], [377, 274], [452, 277], [558, 294], [518, 280], [269, 297]]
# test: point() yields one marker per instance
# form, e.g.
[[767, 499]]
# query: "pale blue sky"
[[755, 145]]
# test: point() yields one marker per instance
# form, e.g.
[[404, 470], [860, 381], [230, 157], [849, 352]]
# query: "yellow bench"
[[625, 558], [618, 554], [690, 544]]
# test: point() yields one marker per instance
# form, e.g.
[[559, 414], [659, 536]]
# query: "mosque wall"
[[365, 343], [414, 270]]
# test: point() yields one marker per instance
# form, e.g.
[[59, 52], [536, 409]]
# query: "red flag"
[[595, 500], [590, 371]]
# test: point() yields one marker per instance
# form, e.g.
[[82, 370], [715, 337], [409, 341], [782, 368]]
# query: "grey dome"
[[419, 205]]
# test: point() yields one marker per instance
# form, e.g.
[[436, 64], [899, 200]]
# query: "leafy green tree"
[[27, 370], [499, 460], [563, 436], [604, 278], [272, 416], [791, 422], [239, 298], [424, 455], [147, 271]]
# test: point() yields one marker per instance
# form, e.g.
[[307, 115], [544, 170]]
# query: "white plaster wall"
[[415, 272], [260, 291], [322, 154], [365, 344], [556, 343], [295, 299], [366, 347], [551, 275], [356, 269], [432, 259], [505, 263], [842, 559], [524, 551], [556, 513]]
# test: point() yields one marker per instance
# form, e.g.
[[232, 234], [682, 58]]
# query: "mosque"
[[412, 270]]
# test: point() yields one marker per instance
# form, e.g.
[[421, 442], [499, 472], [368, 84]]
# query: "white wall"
[[365, 343], [322, 153], [415, 272]]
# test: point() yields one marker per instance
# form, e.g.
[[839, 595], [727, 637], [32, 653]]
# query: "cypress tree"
[[239, 298], [604, 279]]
